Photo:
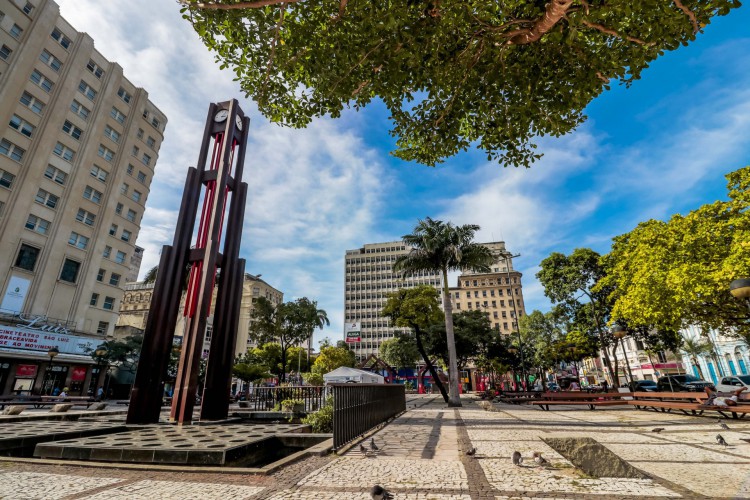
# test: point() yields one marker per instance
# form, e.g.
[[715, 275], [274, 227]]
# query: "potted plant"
[[293, 405]]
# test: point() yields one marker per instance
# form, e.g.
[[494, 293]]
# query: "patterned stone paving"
[[421, 457], [200, 444]]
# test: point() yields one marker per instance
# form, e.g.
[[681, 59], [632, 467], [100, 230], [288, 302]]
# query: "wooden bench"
[[688, 403], [518, 397], [592, 400]]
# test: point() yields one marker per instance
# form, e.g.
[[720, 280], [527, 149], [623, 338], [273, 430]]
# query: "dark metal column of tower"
[[226, 135]]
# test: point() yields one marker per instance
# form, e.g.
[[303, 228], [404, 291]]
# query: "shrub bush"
[[321, 421]]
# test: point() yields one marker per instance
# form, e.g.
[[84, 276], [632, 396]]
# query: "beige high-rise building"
[[369, 277], [78, 147], [498, 293]]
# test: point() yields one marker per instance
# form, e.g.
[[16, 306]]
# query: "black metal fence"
[[357, 408], [267, 398]]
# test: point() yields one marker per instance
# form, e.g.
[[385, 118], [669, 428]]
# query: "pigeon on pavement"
[[658, 429], [362, 449], [517, 458], [373, 446], [471, 452], [720, 440], [377, 492], [722, 424], [540, 460]]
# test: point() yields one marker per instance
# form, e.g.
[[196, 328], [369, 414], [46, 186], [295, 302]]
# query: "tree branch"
[[612, 32], [690, 14], [274, 43], [555, 11], [257, 4]]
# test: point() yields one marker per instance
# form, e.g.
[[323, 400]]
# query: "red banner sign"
[[78, 374], [26, 371]]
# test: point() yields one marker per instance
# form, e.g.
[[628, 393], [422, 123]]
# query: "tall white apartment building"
[[78, 147], [369, 277]]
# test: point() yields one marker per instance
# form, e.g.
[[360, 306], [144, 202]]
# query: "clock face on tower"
[[221, 115], [238, 122]]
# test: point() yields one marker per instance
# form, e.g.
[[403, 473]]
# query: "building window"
[[79, 109], [113, 230], [60, 38], [32, 103], [94, 299], [112, 134], [136, 196], [47, 199], [146, 159], [131, 215], [126, 235], [117, 115], [120, 257], [100, 275], [145, 114], [122, 94], [72, 130], [86, 89], [64, 152], [151, 142], [86, 217], [114, 279], [21, 125], [141, 177], [130, 169], [50, 60], [26, 258], [92, 194], [42, 81], [6, 179], [102, 328], [155, 123], [109, 303], [106, 153], [39, 225], [135, 151], [107, 252], [140, 133], [16, 31], [28, 8], [124, 188], [118, 209], [12, 151], [78, 240], [5, 52], [99, 173], [55, 174], [69, 271], [95, 69]]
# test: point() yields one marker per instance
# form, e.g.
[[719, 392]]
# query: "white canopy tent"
[[344, 374]]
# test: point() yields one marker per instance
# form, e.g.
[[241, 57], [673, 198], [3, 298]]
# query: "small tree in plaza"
[[288, 324], [331, 358], [400, 352]]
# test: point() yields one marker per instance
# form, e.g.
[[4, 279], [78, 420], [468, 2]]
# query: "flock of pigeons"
[[719, 438], [377, 492]]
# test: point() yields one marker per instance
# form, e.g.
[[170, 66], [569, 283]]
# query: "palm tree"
[[151, 275], [694, 348], [443, 247]]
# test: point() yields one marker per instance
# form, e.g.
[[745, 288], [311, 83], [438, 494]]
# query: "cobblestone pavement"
[[421, 457]]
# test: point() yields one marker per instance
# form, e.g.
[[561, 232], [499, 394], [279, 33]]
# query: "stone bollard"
[[61, 408], [14, 410], [97, 406]]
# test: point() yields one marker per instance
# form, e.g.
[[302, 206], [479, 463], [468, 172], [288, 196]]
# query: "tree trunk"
[[616, 373], [607, 362], [627, 363], [433, 371], [282, 375], [555, 10], [454, 398]]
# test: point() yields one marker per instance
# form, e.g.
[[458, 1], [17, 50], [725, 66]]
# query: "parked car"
[[731, 384], [682, 383], [643, 386]]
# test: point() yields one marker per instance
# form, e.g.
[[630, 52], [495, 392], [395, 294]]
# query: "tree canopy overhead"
[[452, 73]]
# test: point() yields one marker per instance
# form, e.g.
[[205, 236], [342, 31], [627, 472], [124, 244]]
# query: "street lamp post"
[[508, 256], [52, 353], [101, 356], [619, 333]]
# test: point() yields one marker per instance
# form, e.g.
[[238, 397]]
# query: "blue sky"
[[657, 148]]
